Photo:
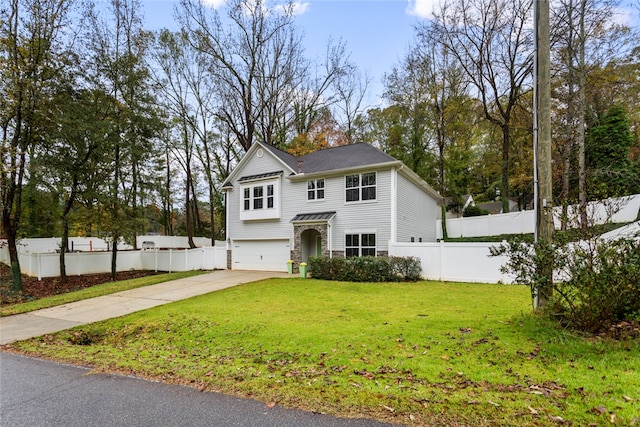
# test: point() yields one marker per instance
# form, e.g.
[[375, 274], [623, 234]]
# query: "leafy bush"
[[473, 210], [406, 268], [595, 282], [366, 269]]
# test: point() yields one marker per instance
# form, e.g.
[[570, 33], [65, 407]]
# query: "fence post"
[[442, 260]]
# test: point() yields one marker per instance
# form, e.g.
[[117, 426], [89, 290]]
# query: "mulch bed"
[[36, 289]]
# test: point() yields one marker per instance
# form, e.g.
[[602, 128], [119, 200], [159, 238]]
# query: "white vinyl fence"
[[39, 257], [456, 262], [618, 210]]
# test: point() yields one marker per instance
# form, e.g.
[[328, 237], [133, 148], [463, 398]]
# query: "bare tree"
[[350, 88], [265, 88], [255, 61], [493, 43]]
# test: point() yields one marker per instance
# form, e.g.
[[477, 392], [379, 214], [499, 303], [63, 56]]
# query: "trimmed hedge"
[[366, 269]]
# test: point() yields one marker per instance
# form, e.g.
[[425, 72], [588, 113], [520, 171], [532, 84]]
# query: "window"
[[361, 244], [269, 196], [360, 187], [260, 200], [247, 199], [257, 197], [315, 189]]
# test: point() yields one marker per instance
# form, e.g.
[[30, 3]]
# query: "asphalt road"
[[38, 393]]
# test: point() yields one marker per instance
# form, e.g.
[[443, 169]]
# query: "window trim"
[[315, 191], [360, 246], [263, 201], [360, 188]]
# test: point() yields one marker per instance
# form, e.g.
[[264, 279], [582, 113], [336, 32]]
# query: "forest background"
[[113, 130]]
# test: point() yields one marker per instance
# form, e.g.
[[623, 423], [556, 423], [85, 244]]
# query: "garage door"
[[266, 255]]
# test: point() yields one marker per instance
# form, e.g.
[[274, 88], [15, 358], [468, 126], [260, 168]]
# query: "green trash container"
[[303, 270], [290, 266]]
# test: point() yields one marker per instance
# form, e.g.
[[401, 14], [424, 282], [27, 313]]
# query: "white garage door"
[[266, 255]]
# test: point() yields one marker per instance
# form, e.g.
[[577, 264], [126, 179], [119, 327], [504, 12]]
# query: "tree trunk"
[[212, 215], [504, 191], [114, 257], [582, 168], [64, 243], [188, 212], [16, 275]]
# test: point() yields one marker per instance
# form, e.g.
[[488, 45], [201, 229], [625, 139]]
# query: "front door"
[[318, 245]]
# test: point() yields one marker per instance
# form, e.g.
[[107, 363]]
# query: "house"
[[495, 208], [461, 205], [344, 201]]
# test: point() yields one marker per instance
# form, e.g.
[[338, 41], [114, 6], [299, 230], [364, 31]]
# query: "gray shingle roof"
[[336, 158]]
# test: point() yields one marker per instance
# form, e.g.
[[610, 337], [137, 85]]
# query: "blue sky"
[[377, 33]]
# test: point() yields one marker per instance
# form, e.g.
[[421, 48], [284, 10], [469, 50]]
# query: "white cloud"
[[421, 8], [214, 3], [297, 8]]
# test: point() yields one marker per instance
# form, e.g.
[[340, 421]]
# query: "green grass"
[[94, 291], [425, 353]]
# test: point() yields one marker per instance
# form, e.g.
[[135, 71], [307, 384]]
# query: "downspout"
[[393, 216], [329, 239]]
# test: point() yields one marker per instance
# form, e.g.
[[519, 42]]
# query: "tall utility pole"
[[542, 134]]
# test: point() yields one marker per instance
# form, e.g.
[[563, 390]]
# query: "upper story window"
[[360, 187], [315, 189], [260, 199]]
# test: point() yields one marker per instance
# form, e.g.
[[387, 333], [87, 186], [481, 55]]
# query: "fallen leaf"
[[388, 408], [556, 419], [271, 405], [533, 411], [599, 410], [444, 357], [627, 398]]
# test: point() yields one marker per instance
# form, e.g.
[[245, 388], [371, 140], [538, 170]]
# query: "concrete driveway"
[[54, 319]]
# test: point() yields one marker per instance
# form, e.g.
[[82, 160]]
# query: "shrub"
[[473, 210], [366, 269], [406, 268], [596, 282]]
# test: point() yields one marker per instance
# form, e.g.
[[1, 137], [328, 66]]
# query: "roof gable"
[[258, 149], [338, 159]]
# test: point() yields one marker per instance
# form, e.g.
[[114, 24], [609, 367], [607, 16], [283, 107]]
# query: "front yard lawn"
[[425, 353]]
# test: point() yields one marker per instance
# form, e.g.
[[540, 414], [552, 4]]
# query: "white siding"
[[259, 229], [369, 215], [417, 213]]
